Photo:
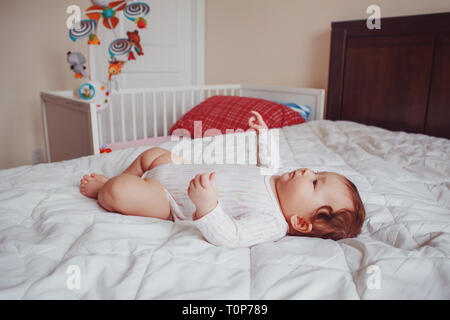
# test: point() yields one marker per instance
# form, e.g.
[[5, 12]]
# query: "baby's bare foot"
[[91, 185]]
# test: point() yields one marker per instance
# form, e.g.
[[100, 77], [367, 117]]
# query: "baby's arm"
[[222, 230], [263, 136], [245, 230]]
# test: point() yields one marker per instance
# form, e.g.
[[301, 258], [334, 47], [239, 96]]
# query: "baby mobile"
[[105, 12]]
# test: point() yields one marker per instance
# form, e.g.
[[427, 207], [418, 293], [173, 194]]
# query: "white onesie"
[[247, 212]]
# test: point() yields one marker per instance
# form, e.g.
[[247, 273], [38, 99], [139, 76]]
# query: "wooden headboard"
[[397, 77]]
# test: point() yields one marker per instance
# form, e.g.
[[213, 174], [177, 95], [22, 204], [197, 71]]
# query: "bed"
[[48, 230], [55, 243]]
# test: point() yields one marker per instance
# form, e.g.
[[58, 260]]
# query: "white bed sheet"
[[46, 226]]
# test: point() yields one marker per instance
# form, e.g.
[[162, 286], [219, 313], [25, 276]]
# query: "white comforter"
[[54, 243]]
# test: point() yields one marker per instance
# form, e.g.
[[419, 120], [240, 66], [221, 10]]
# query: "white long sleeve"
[[245, 230], [248, 211]]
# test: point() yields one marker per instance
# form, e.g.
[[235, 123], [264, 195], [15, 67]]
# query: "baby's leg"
[[145, 160], [90, 185], [130, 195]]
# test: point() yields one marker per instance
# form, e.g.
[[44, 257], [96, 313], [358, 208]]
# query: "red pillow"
[[225, 112]]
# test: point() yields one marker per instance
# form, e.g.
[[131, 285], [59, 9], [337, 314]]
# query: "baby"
[[244, 209]]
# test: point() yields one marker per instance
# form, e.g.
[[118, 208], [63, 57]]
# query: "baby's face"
[[302, 192]]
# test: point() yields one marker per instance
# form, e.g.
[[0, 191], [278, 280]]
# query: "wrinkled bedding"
[[47, 229]]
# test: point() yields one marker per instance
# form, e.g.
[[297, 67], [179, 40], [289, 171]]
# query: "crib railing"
[[141, 113], [75, 128]]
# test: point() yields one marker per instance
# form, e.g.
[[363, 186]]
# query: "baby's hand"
[[256, 122], [202, 192]]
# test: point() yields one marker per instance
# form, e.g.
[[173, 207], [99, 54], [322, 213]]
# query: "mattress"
[[57, 244]]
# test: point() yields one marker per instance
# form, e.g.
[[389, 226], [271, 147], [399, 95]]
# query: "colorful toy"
[[82, 29], [136, 13], [135, 40], [106, 10], [94, 92], [119, 47], [77, 61], [93, 39], [115, 68], [105, 149]]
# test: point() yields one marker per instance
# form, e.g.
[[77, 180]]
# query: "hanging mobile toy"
[[82, 29], [114, 69], [95, 92], [135, 41], [77, 61], [136, 12], [121, 47], [107, 10], [118, 47]]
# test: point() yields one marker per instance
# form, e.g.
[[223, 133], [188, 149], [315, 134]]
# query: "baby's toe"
[[99, 177], [85, 180], [87, 177]]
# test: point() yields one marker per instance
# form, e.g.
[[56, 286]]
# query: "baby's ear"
[[300, 224]]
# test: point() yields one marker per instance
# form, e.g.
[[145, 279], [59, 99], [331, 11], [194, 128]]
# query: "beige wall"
[[280, 42], [285, 42], [34, 42]]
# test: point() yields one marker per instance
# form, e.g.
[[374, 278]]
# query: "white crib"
[[74, 128]]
